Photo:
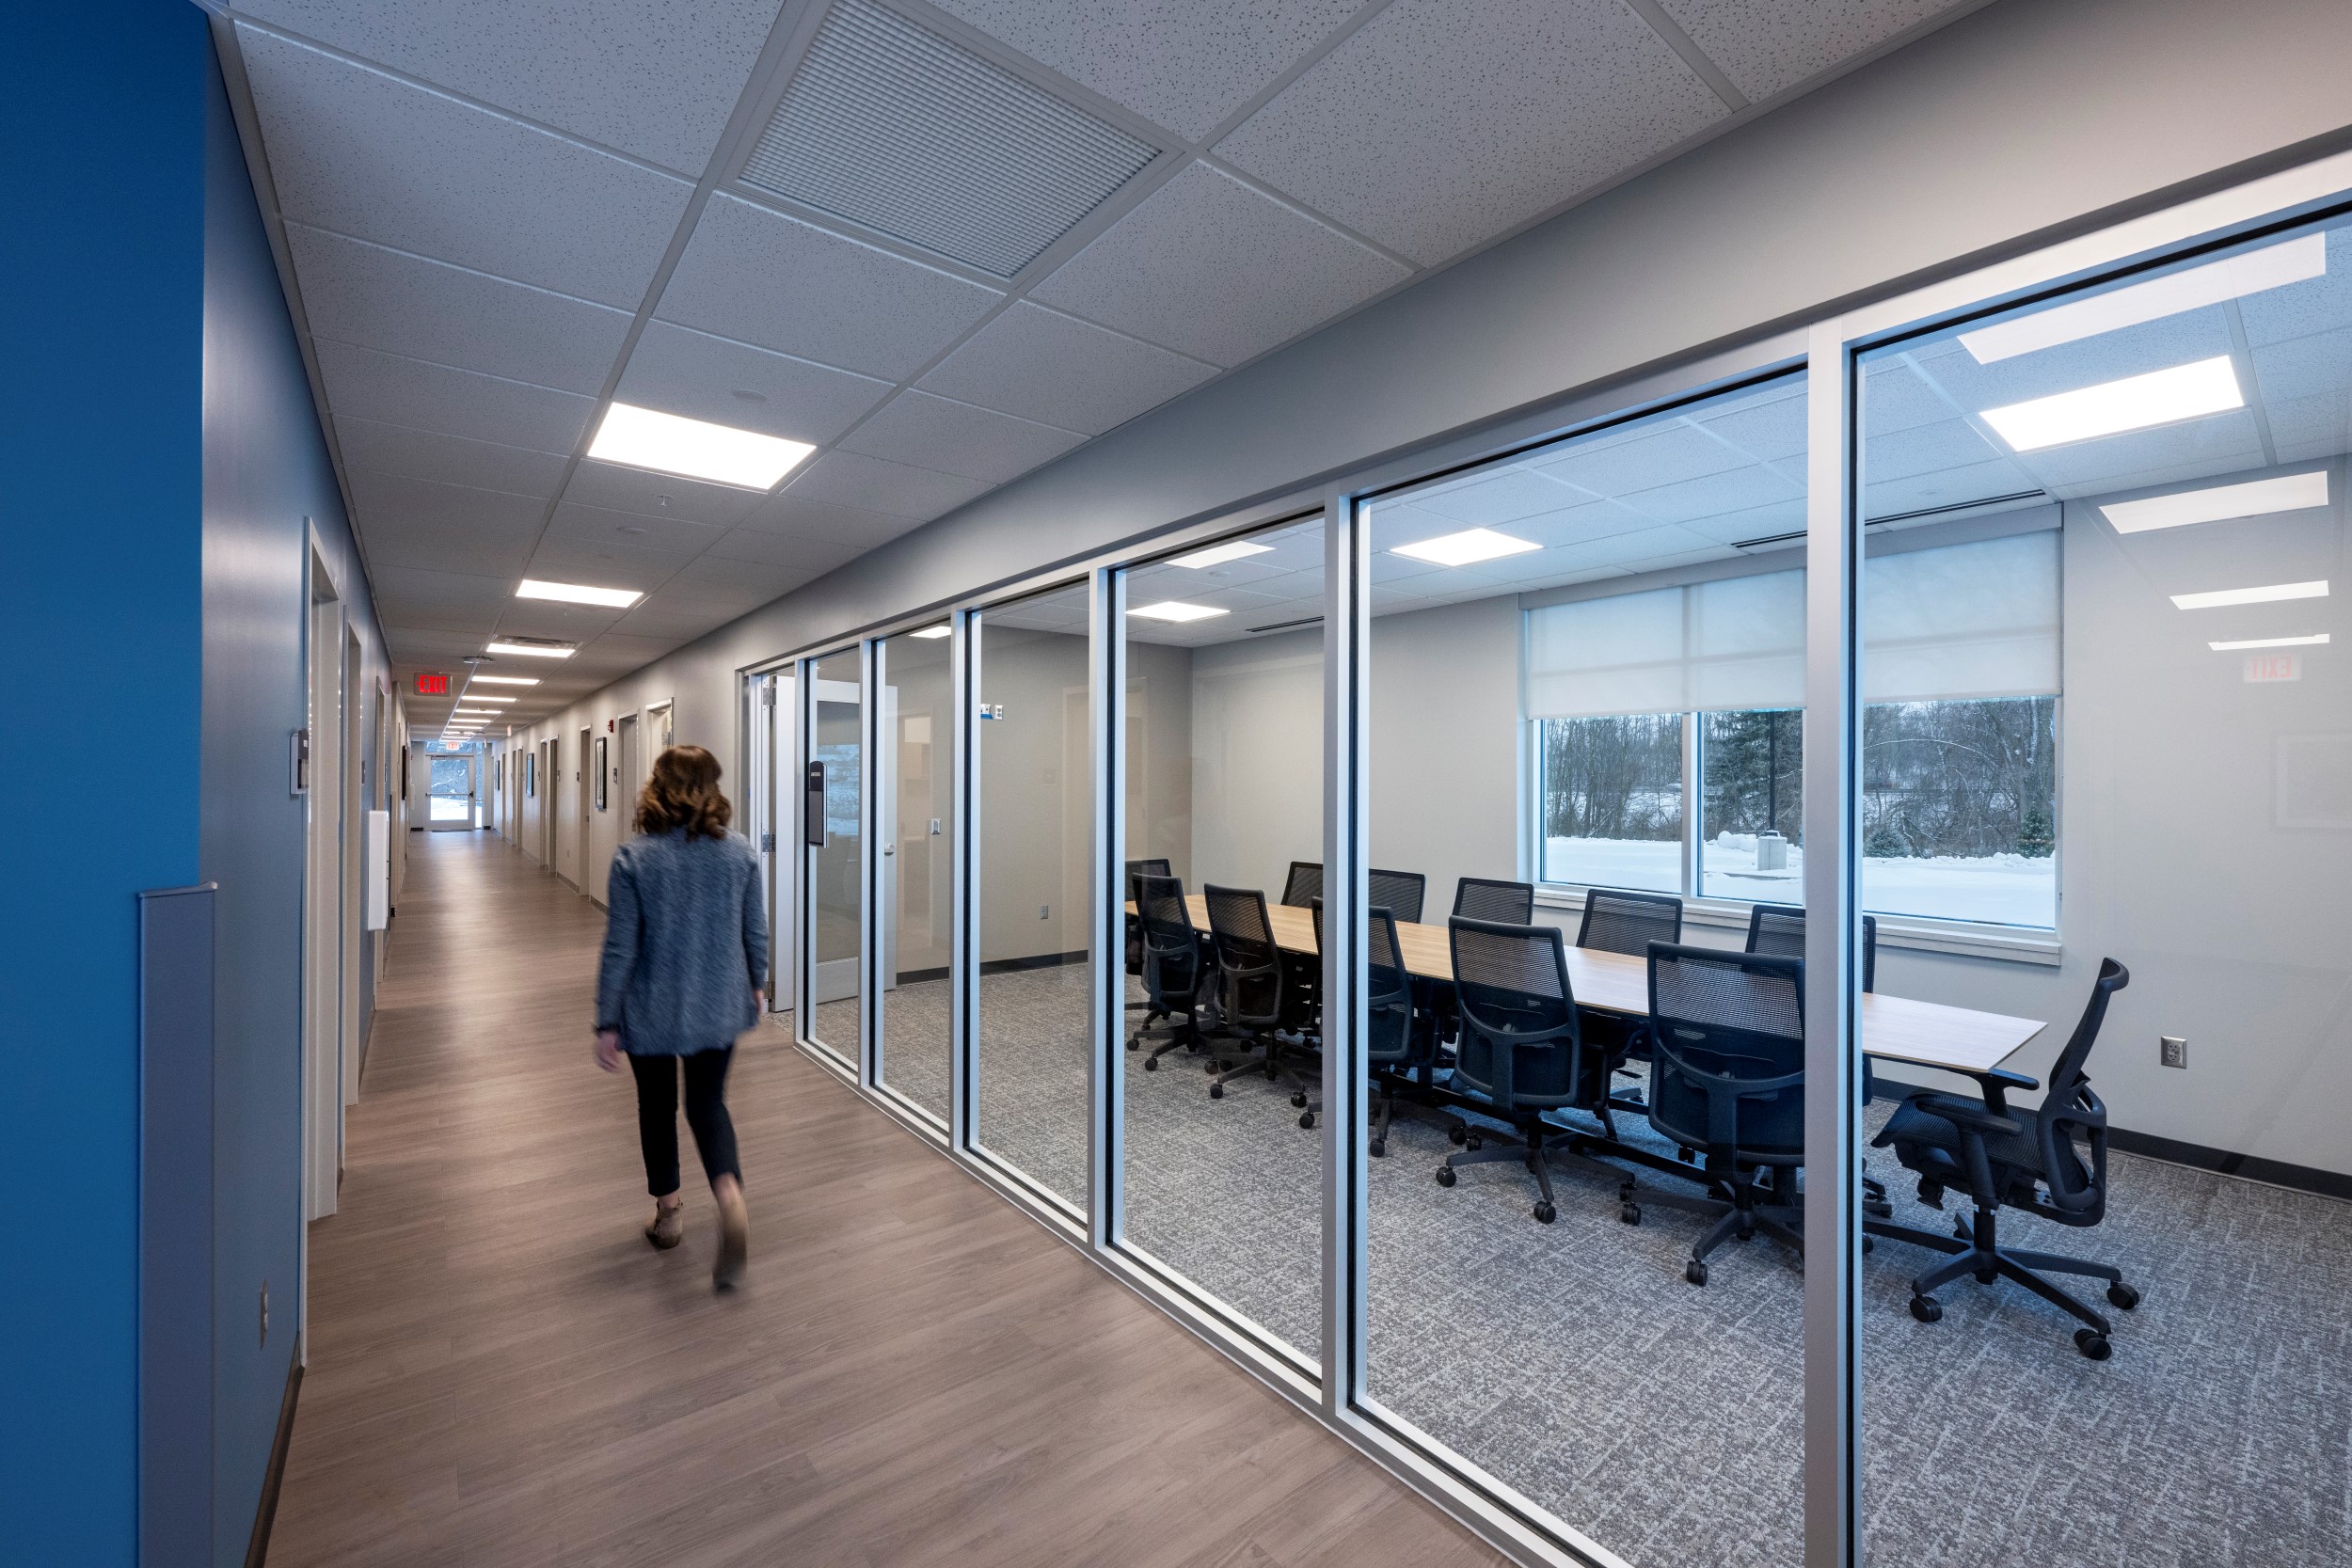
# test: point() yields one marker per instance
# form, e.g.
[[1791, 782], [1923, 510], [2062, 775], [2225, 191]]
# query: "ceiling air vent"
[[894, 128]]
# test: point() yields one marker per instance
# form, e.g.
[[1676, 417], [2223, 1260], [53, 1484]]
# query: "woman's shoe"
[[735, 1241], [667, 1228]]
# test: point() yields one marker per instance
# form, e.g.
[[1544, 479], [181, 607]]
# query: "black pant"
[[705, 1113]]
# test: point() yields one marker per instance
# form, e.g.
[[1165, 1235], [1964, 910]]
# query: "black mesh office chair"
[[1401, 1028], [1727, 1079], [1253, 984], [2051, 1162], [1304, 884], [1779, 929], [1136, 869], [1521, 1051], [1506, 903], [1617, 922], [1175, 970], [1398, 891]]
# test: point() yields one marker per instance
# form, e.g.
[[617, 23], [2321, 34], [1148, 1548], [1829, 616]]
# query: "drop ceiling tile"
[[566, 623], [2318, 364], [1209, 267], [447, 601], [851, 479], [1768, 46], [1973, 482], [757, 277], [680, 371], [618, 489], [1768, 425], [685, 613], [1060, 371], [450, 528], [2217, 444], [385, 299], [813, 557], [365, 384], [659, 81], [676, 539], [1928, 448], [2314, 305], [1488, 112], [1760, 522], [793, 516], [2319, 427], [364, 154], [1186, 66], [758, 580], [1501, 496], [957, 438], [1642, 458], [451, 459], [630, 651], [428, 647], [1712, 495]]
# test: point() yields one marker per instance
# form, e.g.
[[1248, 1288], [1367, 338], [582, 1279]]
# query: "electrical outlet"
[[1044, 911], [2172, 1049], [265, 1314]]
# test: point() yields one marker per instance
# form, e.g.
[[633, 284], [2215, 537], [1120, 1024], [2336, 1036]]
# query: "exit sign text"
[[437, 686], [2274, 667]]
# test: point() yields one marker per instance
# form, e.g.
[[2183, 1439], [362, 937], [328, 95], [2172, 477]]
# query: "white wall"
[[1257, 760]]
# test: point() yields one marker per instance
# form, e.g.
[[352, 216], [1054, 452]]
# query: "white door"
[[451, 802]]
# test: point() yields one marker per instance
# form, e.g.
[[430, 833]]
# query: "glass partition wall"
[[1032, 806], [2103, 696], [914, 725], [1717, 1134], [832, 830], [1223, 734]]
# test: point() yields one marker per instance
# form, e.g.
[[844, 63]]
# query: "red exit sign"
[[432, 686]]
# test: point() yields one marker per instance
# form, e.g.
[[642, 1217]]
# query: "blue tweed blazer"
[[685, 943]]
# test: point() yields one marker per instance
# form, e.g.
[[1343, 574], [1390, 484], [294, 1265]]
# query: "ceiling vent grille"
[[894, 128]]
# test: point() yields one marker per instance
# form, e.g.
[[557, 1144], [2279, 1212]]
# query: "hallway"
[[502, 1373]]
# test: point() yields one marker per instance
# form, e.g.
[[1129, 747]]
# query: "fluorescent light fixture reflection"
[[506, 680], [525, 650], [930, 633], [2231, 279], [2316, 640], [2251, 595], [1217, 555], [2220, 502], [2112, 408], [695, 449], [1176, 609], [577, 592], [1466, 547], [472, 697]]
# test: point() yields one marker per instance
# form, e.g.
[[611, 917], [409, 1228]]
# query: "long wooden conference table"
[[1894, 1028]]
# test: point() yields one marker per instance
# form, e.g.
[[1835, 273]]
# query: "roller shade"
[[1956, 621]]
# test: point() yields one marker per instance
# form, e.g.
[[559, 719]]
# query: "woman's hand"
[[609, 1050], [759, 1001]]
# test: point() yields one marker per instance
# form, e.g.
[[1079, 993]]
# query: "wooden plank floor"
[[503, 1373]]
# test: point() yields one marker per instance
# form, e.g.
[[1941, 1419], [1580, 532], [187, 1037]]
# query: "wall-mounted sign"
[[2274, 667], [431, 685]]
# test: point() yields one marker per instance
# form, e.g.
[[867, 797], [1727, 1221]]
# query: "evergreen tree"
[[2035, 837]]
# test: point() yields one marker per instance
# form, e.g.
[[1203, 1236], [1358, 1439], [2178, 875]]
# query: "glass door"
[[832, 841], [451, 791]]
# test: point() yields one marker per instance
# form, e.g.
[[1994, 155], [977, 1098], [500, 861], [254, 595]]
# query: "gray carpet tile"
[[1663, 1420]]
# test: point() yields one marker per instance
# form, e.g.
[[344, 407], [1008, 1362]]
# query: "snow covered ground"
[[1998, 890]]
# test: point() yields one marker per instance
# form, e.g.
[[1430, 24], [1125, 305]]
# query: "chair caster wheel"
[[1986, 1276], [1457, 1134], [1217, 1091], [1307, 1119], [2122, 1295], [1926, 1309], [1131, 1044], [1695, 1272], [1377, 1148], [1151, 1064], [1474, 1142], [1546, 1214], [2093, 1344], [1299, 1098], [1629, 1214], [1869, 1245], [1445, 1176], [1688, 1156]]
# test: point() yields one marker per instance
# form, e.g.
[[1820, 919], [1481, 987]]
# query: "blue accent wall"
[[102, 277], [268, 484]]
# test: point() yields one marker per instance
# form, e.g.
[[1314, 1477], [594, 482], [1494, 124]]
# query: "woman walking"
[[685, 953]]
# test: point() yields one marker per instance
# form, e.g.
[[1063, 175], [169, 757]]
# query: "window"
[[1961, 732]]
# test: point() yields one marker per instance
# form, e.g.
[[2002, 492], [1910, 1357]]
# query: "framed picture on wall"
[[601, 773]]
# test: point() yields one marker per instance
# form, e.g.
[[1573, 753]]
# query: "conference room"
[[2098, 789]]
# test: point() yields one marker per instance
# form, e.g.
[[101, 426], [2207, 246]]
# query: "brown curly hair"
[[683, 792]]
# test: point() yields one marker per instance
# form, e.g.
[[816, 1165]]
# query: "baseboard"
[[2221, 1161], [257, 1550], [1037, 961]]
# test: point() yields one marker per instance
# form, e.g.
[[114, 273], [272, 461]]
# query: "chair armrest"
[[1967, 1115], [1994, 1083]]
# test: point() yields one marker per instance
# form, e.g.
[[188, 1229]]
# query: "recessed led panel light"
[[2232, 279], [507, 680], [2112, 408], [1217, 555], [526, 650], [2311, 641], [486, 697], [575, 593], [1464, 549], [2251, 595], [929, 632], [695, 449], [1176, 609], [2220, 502]]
